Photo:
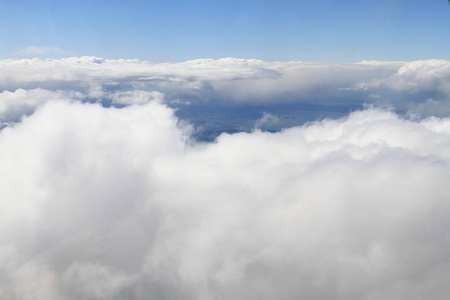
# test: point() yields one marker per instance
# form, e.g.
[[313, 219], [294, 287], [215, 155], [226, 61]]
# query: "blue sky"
[[158, 31]]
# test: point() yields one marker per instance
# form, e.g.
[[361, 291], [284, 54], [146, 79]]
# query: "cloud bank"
[[43, 52], [419, 88], [107, 203]]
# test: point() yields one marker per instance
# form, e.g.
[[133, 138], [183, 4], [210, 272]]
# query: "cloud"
[[107, 203], [135, 97], [14, 105], [101, 202], [40, 52], [266, 121], [401, 85]]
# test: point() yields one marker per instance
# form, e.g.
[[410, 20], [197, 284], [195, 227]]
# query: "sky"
[[173, 31], [250, 150]]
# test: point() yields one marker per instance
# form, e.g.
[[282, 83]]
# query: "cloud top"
[[121, 204], [106, 194]]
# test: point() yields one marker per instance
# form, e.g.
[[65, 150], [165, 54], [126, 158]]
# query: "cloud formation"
[[418, 87], [106, 194], [14, 105], [41, 52], [107, 203]]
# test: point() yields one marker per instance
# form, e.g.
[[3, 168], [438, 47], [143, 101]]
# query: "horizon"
[[174, 31]]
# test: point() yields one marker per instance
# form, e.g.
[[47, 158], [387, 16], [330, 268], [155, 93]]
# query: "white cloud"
[[199, 81], [120, 204], [40, 52], [110, 203], [14, 105], [402, 85]]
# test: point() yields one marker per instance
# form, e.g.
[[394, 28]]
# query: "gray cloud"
[[266, 121], [106, 203]]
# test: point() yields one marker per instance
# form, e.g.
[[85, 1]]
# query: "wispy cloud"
[[40, 52]]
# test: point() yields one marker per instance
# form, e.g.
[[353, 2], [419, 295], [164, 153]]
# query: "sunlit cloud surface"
[[106, 194]]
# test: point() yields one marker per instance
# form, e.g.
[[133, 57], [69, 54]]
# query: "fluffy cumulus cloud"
[[109, 203], [14, 105]]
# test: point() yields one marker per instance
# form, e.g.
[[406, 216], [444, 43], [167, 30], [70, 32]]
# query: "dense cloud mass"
[[108, 203], [106, 194]]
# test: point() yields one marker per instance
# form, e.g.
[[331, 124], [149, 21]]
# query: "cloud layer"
[[107, 203], [419, 87], [106, 194], [33, 51]]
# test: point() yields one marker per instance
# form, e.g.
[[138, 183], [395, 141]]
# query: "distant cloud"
[[40, 52], [266, 121], [135, 97], [420, 87]]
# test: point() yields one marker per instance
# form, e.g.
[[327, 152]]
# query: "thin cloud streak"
[[40, 52]]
